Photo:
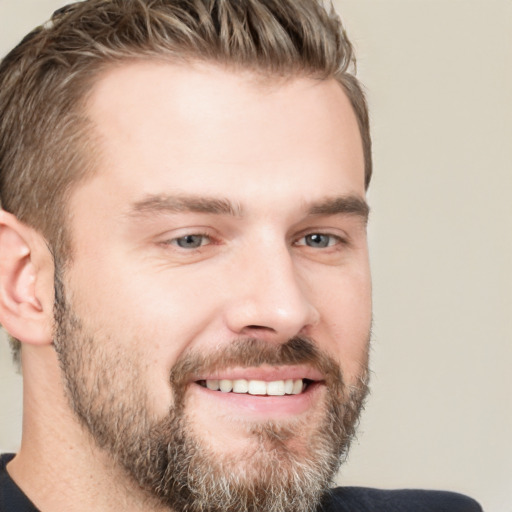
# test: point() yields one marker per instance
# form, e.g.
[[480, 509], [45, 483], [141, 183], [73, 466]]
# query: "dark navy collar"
[[12, 498]]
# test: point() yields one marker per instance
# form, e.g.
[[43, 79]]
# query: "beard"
[[289, 466]]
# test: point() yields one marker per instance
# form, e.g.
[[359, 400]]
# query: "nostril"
[[258, 328]]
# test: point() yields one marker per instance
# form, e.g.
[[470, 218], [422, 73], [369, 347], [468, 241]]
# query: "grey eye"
[[191, 241], [318, 240]]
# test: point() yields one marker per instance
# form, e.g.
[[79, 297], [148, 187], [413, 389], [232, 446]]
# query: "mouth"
[[260, 393], [257, 387]]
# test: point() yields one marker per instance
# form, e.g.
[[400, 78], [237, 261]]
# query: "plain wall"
[[439, 81]]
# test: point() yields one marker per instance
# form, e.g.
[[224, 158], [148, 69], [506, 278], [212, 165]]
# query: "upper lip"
[[264, 373]]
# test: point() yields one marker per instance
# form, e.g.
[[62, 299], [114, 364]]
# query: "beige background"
[[439, 76]]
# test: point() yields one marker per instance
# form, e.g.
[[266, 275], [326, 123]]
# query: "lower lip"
[[262, 406]]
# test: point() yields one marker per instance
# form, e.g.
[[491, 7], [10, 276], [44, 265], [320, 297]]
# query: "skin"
[[272, 150]]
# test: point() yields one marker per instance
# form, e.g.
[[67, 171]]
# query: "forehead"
[[202, 126]]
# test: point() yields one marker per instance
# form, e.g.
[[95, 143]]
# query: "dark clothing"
[[12, 498], [341, 499], [362, 499]]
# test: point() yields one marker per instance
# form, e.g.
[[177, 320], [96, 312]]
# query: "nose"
[[270, 298]]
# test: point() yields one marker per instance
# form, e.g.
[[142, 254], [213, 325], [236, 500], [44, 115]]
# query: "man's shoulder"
[[362, 499]]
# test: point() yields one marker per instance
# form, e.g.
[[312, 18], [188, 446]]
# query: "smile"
[[260, 394], [257, 387]]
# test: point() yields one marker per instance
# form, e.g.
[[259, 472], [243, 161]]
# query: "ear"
[[26, 282]]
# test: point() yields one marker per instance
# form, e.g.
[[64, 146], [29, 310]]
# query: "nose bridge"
[[272, 294]]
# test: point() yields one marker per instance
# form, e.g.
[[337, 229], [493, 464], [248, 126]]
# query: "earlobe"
[[25, 293]]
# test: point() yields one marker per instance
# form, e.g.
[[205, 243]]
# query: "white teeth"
[[257, 387], [275, 388], [240, 386], [288, 386], [212, 384], [297, 387], [226, 385]]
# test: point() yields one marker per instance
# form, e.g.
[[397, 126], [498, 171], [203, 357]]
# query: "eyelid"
[[338, 240], [205, 238], [336, 233], [171, 237]]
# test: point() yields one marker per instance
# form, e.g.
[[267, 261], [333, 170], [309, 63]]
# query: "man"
[[183, 259]]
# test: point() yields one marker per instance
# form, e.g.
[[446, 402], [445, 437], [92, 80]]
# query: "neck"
[[59, 466]]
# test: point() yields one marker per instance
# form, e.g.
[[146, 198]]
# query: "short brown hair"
[[45, 143]]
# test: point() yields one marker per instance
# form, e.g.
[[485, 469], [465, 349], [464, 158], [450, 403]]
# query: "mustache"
[[255, 352]]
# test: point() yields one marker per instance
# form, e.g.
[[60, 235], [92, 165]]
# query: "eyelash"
[[174, 241], [334, 240]]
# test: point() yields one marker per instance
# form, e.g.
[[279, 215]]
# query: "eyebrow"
[[185, 203], [154, 204], [341, 205]]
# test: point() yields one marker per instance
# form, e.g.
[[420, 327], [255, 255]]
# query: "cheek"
[[138, 295], [346, 312], [150, 317]]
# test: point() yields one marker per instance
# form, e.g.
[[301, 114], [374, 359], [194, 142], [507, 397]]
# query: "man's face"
[[221, 244]]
